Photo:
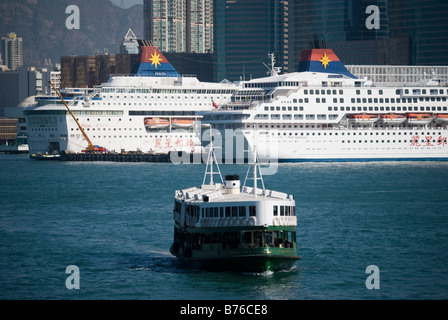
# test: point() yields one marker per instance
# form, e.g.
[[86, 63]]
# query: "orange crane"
[[90, 147]]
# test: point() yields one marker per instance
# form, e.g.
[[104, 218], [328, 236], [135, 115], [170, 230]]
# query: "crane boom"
[[90, 146]]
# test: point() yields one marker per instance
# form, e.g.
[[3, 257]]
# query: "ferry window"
[[341, 91], [275, 210], [252, 211], [358, 91], [380, 91], [242, 211], [227, 212], [282, 210], [221, 212], [234, 211]]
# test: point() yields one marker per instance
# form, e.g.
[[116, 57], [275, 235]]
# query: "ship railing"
[[228, 222]]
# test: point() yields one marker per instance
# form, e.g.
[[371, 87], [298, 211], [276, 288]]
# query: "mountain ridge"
[[42, 25]]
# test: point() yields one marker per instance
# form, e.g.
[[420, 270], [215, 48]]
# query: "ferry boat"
[[151, 112], [223, 226], [324, 113]]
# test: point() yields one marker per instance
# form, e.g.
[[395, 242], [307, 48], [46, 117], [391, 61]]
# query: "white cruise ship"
[[324, 113], [153, 111]]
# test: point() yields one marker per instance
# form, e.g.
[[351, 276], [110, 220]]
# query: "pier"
[[123, 157]]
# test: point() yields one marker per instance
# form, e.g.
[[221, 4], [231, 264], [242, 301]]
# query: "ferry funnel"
[[233, 184]]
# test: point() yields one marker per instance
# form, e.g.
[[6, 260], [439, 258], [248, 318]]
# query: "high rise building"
[[179, 25], [12, 51], [245, 32], [365, 32], [129, 44]]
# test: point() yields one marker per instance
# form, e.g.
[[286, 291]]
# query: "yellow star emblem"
[[155, 59], [325, 60]]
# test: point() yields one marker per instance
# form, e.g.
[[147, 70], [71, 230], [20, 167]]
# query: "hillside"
[[41, 24]]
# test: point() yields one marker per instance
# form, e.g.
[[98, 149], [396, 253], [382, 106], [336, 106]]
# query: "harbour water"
[[113, 221]]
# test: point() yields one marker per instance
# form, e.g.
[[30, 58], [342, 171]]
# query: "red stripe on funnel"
[[149, 52], [317, 54]]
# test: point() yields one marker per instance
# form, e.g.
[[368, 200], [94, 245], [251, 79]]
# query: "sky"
[[127, 3]]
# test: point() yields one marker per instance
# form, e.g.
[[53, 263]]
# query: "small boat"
[[182, 123], [419, 118], [223, 227], [156, 123], [393, 118], [442, 118], [365, 118]]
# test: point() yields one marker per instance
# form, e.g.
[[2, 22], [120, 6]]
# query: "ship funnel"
[[153, 63], [322, 61], [233, 184]]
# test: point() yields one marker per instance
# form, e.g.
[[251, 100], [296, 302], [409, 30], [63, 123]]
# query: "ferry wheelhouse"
[[223, 226]]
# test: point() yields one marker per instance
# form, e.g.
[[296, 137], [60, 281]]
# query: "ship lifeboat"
[[365, 118], [156, 123], [419, 118], [182, 123], [442, 118], [393, 118]]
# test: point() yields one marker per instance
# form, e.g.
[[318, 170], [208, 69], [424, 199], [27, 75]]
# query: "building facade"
[[365, 32], [179, 25], [245, 33], [12, 51]]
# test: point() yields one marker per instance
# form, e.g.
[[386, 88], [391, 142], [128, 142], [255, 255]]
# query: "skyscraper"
[[179, 25], [407, 32], [245, 32], [12, 51]]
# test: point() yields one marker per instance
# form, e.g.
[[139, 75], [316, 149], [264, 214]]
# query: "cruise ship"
[[325, 113], [153, 111]]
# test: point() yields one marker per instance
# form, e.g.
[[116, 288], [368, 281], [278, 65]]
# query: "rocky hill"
[[42, 25]]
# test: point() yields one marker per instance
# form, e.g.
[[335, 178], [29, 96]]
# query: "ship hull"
[[266, 259]]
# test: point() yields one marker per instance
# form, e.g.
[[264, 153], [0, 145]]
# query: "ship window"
[[227, 212], [242, 211], [252, 211], [282, 210], [234, 211], [275, 210]]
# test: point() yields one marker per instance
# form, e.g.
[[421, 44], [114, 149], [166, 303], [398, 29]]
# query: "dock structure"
[[121, 157]]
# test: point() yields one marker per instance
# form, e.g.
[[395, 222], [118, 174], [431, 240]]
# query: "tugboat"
[[223, 227]]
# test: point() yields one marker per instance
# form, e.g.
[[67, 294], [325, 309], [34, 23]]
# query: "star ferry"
[[223, 226]]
